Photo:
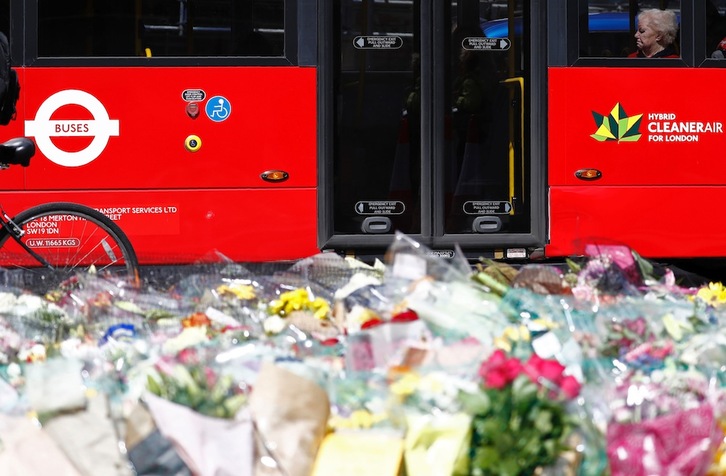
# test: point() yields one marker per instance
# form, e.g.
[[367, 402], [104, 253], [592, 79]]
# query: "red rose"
[[552, 372], [371, 323], [537, 367], [570, 386], [499, 371], [405, 316], [329, 341]]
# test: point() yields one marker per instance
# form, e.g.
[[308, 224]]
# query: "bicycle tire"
[[71, 238]]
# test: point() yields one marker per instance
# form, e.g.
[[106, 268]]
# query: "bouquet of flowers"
[[662, 423], [201, 411], [520, 416], [189, 382]]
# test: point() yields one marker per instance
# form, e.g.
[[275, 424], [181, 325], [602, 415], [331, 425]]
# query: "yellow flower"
[[674, 327], [718, 465], [544, 324], [405, 386], [714, 294], [432, 383], [298, 300], [511, 335], [359, 419], [320, 307], [502, 343], [240, 291], [289, 301]]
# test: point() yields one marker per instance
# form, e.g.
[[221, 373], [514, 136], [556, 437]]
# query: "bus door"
[[427, 124]]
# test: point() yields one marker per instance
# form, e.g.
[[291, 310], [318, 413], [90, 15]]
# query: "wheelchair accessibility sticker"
[[101, 128], [218, 108]]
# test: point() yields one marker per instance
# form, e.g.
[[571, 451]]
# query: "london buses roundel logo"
[[101, 128]]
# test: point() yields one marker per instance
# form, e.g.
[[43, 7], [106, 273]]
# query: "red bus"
[[273, 129]]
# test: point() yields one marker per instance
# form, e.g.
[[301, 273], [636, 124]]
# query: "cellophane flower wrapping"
[[437, 444], [201, 408], [662, 404], [442, 294], [361, 422], [521, 420], [663, 423], [420, 361], [437, 429], [209, 446]]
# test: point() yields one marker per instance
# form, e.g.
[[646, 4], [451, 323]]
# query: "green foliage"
[[196, 388], [516, 429]]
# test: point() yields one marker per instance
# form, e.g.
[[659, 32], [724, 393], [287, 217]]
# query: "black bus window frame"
[[576, 21], [26, 16]]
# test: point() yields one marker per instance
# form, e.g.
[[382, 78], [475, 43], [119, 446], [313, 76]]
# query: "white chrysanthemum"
[[35, 352], [30, 301], [274, 324], [189, 337], [7, 302]]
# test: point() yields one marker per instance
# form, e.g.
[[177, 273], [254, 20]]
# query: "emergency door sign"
[[101, 128]]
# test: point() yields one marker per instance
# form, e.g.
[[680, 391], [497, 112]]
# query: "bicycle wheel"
[[67, 238]]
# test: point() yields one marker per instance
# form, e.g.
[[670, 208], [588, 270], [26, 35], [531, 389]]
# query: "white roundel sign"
[[101, 128]]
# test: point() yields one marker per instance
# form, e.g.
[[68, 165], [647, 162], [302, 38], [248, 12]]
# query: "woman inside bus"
[[656, 34]]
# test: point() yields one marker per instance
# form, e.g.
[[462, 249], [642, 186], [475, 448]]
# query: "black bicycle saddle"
[[17, 151]]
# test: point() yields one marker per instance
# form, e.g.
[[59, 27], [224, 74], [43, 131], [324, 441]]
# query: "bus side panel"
[[179, 156], [657, 131], [270, 124], [657, 152], [654, 221], [200, 225]]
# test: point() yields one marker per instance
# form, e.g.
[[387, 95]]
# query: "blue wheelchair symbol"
[[218, 108]]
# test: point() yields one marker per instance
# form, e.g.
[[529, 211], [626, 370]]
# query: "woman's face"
[[646, 37]]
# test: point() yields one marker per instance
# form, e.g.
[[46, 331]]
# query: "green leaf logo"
[[617, 126]]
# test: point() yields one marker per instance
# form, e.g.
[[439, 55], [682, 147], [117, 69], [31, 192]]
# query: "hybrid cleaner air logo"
[[617, 126], [661, 127]]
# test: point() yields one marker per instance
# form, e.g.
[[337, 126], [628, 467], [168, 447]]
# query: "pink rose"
[[210, 377], [188, 356]]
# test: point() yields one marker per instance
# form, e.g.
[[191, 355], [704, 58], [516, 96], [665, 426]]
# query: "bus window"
[[378, 154], [95, 28], [611, 26], [5, 16], [716, 29]]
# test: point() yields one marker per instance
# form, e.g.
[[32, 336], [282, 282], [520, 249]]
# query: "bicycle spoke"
[[70, 238]]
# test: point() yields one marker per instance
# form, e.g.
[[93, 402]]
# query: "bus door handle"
[[516, 181]]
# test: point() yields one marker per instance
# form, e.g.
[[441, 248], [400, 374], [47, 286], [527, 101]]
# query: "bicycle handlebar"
[[17, 151]]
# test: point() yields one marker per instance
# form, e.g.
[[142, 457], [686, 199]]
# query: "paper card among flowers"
[[377, 346], [349, 452], [437, 444]]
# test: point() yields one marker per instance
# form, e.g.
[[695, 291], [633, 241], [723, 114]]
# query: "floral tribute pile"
[[413, 366]]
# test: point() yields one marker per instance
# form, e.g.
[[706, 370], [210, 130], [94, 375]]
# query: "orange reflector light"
[[274, 175], [588, 174]]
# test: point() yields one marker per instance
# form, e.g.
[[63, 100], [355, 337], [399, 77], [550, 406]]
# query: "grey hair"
[[662, 21]]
